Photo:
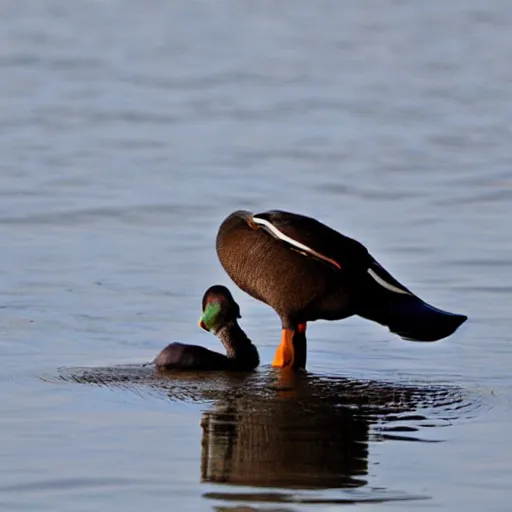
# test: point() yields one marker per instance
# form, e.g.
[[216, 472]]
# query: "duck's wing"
[[314, 239]]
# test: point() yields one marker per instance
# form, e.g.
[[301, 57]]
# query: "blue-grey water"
[[129, 130]]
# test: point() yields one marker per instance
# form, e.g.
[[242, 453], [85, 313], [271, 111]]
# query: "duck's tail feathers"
[[389, 303]]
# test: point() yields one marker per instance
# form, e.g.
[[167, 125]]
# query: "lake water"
[[129, 130]]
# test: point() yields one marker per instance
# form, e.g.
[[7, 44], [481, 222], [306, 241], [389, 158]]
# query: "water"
[[129, 131]]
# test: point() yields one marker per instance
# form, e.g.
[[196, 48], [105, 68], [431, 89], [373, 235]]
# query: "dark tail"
[[389, 303]]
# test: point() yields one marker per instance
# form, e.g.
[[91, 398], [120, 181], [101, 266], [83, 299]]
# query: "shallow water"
[[129, 132]]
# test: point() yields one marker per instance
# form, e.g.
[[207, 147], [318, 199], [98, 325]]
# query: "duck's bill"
[[202, 325]]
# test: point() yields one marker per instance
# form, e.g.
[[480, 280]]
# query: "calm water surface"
[[130, 130]]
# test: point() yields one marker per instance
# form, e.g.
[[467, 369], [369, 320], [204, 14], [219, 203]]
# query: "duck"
[[308, 271], [220, 314]]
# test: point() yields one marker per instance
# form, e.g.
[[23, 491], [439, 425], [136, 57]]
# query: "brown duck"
[[307, 271]]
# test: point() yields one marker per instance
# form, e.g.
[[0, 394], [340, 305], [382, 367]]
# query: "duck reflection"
[[312, 433], [277, 446]]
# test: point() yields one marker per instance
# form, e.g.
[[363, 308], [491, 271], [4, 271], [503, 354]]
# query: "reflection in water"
[[294, 431], [312, 433], [279, 443]]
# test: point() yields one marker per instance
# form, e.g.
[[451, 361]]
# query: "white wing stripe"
[[385, 284], [293, 242]]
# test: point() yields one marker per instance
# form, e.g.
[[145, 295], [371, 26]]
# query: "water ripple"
[[390, 406], [277, 430]]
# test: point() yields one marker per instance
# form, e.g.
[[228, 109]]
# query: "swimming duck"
[[307, 271], [219, 316]]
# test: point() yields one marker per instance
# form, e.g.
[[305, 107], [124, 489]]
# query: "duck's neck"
[[239, 347]]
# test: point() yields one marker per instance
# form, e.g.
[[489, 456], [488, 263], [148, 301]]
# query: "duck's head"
[[219, 309]]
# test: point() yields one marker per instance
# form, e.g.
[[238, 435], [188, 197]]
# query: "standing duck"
[[219, 316], [307, 271]]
